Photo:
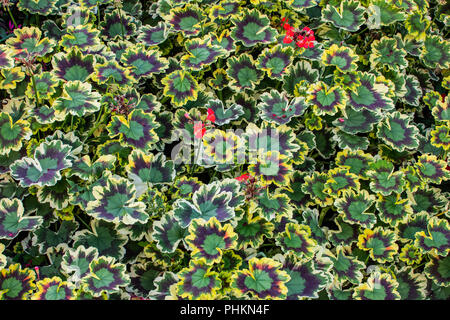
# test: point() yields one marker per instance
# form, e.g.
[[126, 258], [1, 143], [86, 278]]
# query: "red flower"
[[303, 38], [287, 39], [243, 177], [211, 116], [199, 129]]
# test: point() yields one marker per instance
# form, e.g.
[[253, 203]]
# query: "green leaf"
[[348, 16], [12, 220], [380, 243], [263, 279], [105, 276], [208, 239], [251, 27]]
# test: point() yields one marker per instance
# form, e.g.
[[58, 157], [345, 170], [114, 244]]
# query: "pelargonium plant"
[[224, 149]]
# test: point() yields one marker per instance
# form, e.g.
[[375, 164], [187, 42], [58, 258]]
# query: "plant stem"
[[420, 265], [82, 221], [11, 15], [322, 215], [71, 122], [192, 168], [121, 24], [96, 124], [440, 214], [33, 81], [360, 31], [196, 154], [214, 175], [165, 99], [9, 243], [201, 26], [98, 15]]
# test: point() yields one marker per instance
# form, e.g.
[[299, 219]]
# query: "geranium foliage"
[[224, 149], [263, 279]]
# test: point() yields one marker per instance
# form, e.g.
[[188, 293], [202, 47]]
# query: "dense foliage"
[[342, 191]]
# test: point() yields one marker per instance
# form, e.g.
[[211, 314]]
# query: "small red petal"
[[287, 27], [211, 118], [243, 177], [287, 40]]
